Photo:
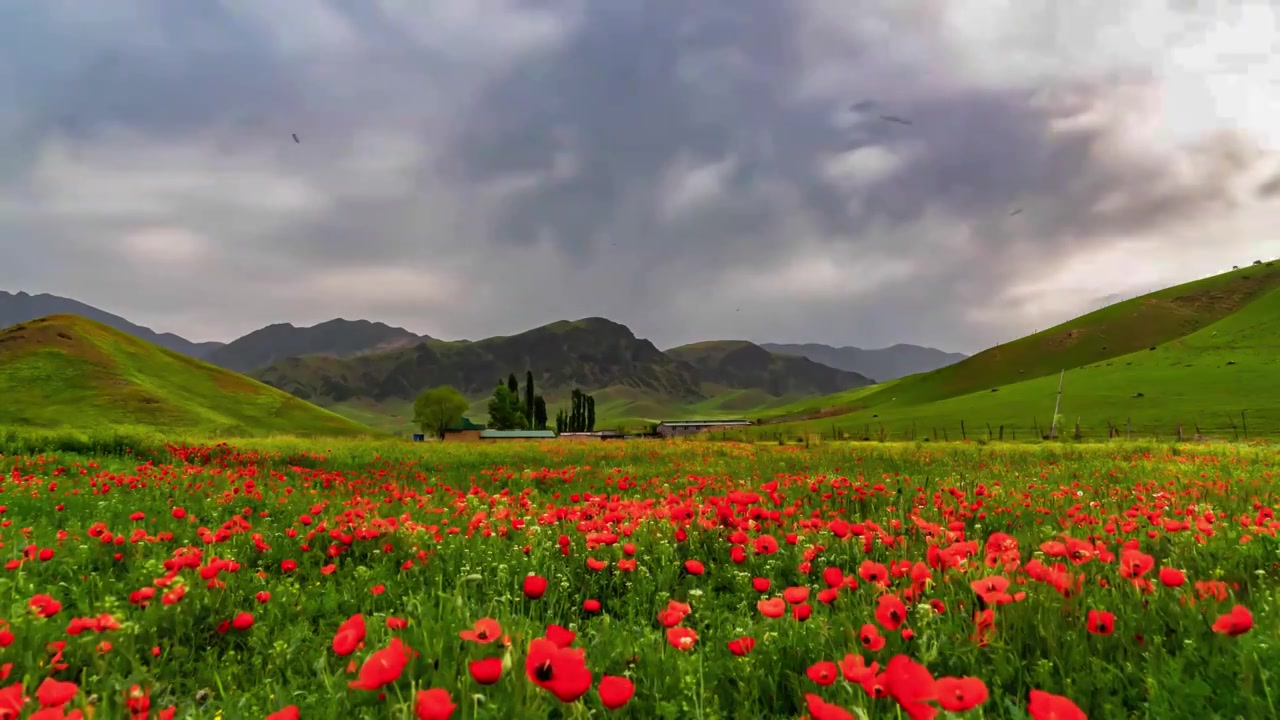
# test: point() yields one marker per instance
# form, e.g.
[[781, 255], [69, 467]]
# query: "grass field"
[[1215, 381], [381, 579], [67, 371]]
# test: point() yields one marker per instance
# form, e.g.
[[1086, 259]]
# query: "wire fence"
[[1231, 426]]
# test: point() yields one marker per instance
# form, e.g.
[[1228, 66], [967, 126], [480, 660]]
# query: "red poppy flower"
[[561, 671], [855, 669], [742, 646], [682, 638], [615, 691], [433, 704], [485, 631], [534, 586], [824, 673], [53, 693], [383, 667], [891, 612], [349, 636], [44, 605], [694, 567], [562, 637], [772, 608], [1170, 577], [1047, 706], [958, 695], [1100, 622], [823, 710], [486, 671], [870, 637], [1237, 622], [284, 713], [760, 585], [242, 621], [910, 684]]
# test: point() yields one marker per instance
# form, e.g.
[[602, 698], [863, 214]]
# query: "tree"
[[505, 412], [561, 425], [591, 414], [437, 409], [539, 413], [528, 398], [512, 385]]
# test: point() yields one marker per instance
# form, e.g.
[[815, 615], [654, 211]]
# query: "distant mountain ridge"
[[744, 365], [339, 337], [590, 353], [882, 365], [21, 307]]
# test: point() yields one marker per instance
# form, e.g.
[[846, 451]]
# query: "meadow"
[[288, 578]]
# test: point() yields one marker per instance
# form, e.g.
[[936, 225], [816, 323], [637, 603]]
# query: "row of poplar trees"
[[509, 411], [581, 415]]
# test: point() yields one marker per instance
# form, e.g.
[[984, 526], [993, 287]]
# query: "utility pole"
[[1053, 426]]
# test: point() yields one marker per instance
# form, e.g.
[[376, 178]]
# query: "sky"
[[710, 170]]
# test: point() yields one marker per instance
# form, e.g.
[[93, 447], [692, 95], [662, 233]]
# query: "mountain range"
[[884, 364], [363, 366]]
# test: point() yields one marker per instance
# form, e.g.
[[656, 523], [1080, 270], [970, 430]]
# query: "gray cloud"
[[716, 170]]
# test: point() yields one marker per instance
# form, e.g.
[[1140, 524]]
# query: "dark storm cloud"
[[660, 158]]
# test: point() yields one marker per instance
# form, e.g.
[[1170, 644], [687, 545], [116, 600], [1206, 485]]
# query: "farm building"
[[464, 431], [677, 428], [517, 435], [597, 435]]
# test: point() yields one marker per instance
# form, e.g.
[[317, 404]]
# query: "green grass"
[[545, 508], [65, 371], [1203, 381], [1119, 329]]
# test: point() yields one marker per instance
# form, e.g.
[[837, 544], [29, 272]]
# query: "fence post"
[[1001, 432], [963, 434], [1128, 428], [1179, 432], [988, 432], [1245, 424]]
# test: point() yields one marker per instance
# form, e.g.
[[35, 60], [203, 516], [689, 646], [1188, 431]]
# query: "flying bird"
[[895, 119], [1016, 212], [295, 138]]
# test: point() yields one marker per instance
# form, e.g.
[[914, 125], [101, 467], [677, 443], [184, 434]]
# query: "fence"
[[1233, 426]]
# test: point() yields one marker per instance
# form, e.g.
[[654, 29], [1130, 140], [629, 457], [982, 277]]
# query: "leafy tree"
[[512, 385], [528, 398], [591, 414], [539, 413], [437, 409], [505, 411], [561, 424]]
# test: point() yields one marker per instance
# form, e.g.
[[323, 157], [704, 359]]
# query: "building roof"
[[517, 434], [696, 423], [464, 424]]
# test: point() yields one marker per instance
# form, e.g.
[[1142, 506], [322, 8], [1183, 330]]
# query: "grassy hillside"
[[1222, 380], [1130, 326], [65, 371]]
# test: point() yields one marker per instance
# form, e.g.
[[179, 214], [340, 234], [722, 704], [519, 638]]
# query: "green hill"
[[1220, 381], [65, 371], [1125, 327]]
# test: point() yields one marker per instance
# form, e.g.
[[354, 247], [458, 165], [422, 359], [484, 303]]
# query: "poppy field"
[[679, 581]]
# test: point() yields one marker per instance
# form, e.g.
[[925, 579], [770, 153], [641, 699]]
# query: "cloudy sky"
[[717, 169]]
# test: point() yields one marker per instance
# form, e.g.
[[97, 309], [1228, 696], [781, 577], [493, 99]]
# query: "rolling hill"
[[1197, 354], [21, 307], [339, 338], [881, 365], [740, 365], [66, 371]]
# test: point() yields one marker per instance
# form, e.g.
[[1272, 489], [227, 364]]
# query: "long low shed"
[[673, 428]]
